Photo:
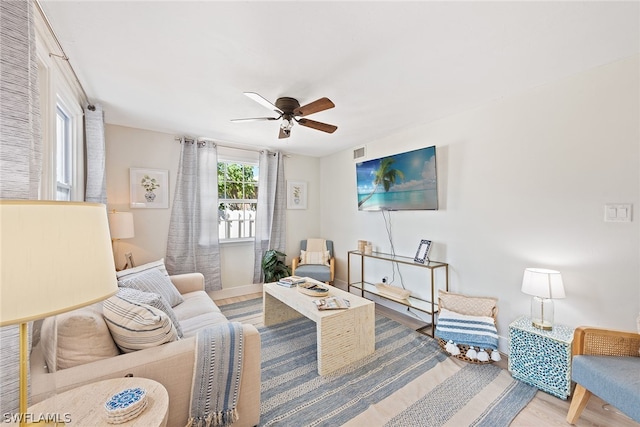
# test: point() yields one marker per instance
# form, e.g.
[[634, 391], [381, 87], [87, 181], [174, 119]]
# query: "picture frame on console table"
[[422, 254], [149, 188]]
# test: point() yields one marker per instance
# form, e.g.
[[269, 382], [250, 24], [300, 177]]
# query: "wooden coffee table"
[[343, 336]]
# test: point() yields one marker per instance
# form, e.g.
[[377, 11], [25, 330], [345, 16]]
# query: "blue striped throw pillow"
[[136, 326], [152, 299], [476, 331]]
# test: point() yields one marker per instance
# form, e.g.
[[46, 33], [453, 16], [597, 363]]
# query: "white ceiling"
[[182, 67]]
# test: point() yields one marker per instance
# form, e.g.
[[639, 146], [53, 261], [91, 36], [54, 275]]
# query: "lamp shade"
[[121, 225], [543, 283], [54, 257]]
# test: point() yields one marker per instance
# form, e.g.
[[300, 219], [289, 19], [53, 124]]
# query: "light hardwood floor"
[[543, 410]]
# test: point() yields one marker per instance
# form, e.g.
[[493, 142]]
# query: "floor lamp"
[[54, 257]]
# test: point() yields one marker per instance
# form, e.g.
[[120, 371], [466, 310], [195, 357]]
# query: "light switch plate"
[[618, 212]]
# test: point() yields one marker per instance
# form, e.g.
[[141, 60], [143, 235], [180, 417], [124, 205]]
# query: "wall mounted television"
[[405, 181]]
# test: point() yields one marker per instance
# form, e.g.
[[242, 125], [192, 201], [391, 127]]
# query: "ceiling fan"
[[289, 109]]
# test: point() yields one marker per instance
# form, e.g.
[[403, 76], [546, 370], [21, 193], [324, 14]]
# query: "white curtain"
[[20, 151], [271, 213], [192, 244], [96, 183]]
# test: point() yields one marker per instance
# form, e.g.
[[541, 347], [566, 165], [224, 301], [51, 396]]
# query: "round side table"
[[84, 406]]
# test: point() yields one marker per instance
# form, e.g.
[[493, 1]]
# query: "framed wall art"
[[149, 188], [296, 195]]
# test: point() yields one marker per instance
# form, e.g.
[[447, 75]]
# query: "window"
[[64, 150], [238, 200], [62, 128]]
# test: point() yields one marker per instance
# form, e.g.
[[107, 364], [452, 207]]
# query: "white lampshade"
[[54, 257], [121, 225], [543, 283]]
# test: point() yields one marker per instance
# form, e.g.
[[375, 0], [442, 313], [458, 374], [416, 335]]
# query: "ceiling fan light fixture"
[[289, 110], [287, 124]]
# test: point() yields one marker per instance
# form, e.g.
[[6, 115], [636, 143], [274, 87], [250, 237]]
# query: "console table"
[[429, 306]]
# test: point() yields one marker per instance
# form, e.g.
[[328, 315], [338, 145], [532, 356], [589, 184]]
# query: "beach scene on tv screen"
[[405, 181]]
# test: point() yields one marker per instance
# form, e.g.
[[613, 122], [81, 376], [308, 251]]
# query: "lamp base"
[[542, 313], [542, 325]]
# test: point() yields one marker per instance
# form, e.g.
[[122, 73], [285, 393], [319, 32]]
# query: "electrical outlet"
[[384, 279]]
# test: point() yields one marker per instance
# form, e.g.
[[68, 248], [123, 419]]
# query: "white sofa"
[[170, 364]]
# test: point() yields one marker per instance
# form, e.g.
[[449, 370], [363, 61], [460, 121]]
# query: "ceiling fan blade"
[[324, 127], [314, 107], [262, 101], [255, 119], [284, 133]]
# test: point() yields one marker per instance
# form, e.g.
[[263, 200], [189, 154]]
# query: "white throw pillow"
[[136, 326], [155, 265], [75, 338], [321, 257], [469, 305], [155, 282]]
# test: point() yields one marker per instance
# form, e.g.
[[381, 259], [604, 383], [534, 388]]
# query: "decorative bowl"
[[313, 289]]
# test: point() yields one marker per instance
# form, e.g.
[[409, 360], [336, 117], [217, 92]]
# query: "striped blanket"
[[476, 331], [216, 377]]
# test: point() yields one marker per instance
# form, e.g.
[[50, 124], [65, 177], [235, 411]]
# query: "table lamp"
[[54, 257], [544, 285], [121, 227]]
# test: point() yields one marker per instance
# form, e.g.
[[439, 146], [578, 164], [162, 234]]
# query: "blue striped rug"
[[407, 381]]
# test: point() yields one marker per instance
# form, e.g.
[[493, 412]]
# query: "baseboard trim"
[[236, 291]]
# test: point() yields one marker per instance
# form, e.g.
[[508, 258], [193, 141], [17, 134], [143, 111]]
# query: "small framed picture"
[[149, 188], [422, 254], [296, 195]]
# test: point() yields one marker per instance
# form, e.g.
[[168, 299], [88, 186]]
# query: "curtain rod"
[[64, 56], [177, 138]]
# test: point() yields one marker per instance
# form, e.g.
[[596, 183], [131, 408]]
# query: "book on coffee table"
[[332, 303], [291, 281]]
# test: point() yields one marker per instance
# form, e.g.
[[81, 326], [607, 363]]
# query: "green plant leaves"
[[273, 266]]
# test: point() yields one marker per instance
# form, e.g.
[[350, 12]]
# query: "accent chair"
[[605, 363], [312, 265]]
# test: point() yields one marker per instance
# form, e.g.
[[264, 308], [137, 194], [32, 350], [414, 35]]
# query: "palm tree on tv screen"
[[386, 176]]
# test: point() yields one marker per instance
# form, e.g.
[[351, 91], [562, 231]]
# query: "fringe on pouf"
[[215, 419]]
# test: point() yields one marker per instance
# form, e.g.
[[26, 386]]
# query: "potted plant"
[[273, 266]]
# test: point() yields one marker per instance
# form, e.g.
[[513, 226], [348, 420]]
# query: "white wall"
[[522, 183], [304, 223], [129, 147], [136, 148]]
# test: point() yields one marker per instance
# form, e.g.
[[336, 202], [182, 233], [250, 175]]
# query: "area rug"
[[407, 381]]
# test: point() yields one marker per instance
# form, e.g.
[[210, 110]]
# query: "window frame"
[[64, 153], [244, 162], [58, 88]]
